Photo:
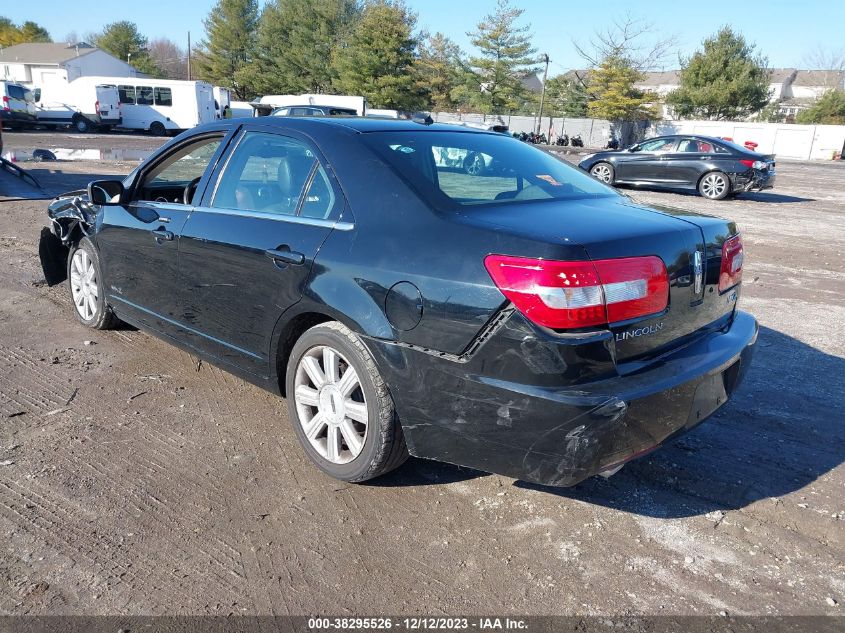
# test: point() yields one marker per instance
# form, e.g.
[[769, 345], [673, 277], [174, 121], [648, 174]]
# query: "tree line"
[[373, 48]]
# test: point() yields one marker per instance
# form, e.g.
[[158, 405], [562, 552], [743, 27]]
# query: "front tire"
[[603, 172], [81, 124], [340, 406], [85, 281], [157, 128], [714, 186]]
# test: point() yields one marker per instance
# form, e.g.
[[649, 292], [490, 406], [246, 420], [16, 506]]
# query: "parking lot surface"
[[135, 479]]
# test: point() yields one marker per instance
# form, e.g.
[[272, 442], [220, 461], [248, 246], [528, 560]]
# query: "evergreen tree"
[[829, 109], [124, 41], [440, 69], [378, 60], [614, 96], [10, 34], [229, 46], [493, 83], [725, 80], [297, 40], [566, 96]]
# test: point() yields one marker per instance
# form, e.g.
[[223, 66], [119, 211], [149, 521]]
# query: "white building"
[[39, 63]]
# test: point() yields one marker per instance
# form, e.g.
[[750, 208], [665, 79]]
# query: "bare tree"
[[821, 58], [72, 37], [630, 40], [169, 57]]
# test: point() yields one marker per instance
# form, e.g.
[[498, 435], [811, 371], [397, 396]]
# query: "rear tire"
[[87, 292], [603, 172], [345, 422], [714, 186], [157, 128]]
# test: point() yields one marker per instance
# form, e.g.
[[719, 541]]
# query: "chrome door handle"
[[285, 256], [161, 235]]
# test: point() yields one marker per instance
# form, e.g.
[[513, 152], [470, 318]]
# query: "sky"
[[785, 31]]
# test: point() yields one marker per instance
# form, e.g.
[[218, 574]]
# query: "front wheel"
[[81, 124], [603, 172], [85, 279], [157, 128], [340, 406], [714, 186]]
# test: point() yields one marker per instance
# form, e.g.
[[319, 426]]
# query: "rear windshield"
[[457, 169]]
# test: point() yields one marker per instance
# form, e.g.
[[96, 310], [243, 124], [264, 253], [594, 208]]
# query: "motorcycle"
[[562, 140], [577, 141], [612, 144]]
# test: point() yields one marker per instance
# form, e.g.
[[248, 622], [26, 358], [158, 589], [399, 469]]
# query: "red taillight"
[[567, 295], [97, 106], [6, 103], [730, 273], [747, 163]]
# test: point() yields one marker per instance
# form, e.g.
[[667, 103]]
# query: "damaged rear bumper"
[[752, 180], [560, 436]]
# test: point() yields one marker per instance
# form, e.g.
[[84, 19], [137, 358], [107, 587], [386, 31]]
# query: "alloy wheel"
[[713, 186], [83, 285], [602, 172], [330, 404]]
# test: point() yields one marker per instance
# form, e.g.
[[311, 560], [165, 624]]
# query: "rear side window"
[[126, 94], [461, 169], [163, 97], [144, 95], [266, 172]]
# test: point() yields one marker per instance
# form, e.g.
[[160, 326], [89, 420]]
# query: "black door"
[[139, 240], [646, 162], [690, 159], [246, 252]]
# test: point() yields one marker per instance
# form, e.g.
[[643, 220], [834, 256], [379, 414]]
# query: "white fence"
[[785, 140]]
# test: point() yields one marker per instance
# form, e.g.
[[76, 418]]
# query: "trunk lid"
[[608, 228]]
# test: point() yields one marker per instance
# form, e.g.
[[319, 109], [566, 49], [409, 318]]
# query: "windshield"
[[458, 169]]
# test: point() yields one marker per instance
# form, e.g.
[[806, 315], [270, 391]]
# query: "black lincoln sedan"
[[716, 168], [524, 319]]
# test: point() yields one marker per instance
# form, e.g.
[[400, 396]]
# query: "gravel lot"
[[135, 480]]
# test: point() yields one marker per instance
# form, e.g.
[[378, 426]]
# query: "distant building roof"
[[781, 75], [44, 53], [661, 78], [815, 78], [532, 82]]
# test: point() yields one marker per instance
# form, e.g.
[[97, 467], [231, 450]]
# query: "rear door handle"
[[161, 235], [285, 256]]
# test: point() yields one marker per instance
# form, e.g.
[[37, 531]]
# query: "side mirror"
[[37, 94], [105, 192]]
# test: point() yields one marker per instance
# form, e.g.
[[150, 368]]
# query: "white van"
[[162, 106], [82, 103], [17, 105], [222, 99]]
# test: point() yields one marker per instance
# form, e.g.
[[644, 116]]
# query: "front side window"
[[126, 94], [658, 145], [144, 95], [167, 179], [266, 172], [458, 169], [163, 96]]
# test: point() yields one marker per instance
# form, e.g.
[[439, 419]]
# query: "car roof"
[[357, 124]]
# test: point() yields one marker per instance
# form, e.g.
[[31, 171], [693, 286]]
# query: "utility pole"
[[544, 58], [189, 57]]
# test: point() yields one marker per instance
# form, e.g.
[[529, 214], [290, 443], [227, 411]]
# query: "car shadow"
[[424, 472], [774, 198], [781, 431]]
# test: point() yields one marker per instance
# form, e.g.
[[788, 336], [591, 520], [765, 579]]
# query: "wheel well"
[[290, 335]]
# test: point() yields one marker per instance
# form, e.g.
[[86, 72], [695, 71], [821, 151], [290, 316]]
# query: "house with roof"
[[806, 87], [41, 63]]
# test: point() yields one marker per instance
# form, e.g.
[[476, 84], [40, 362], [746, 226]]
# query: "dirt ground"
[[135, 480]]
